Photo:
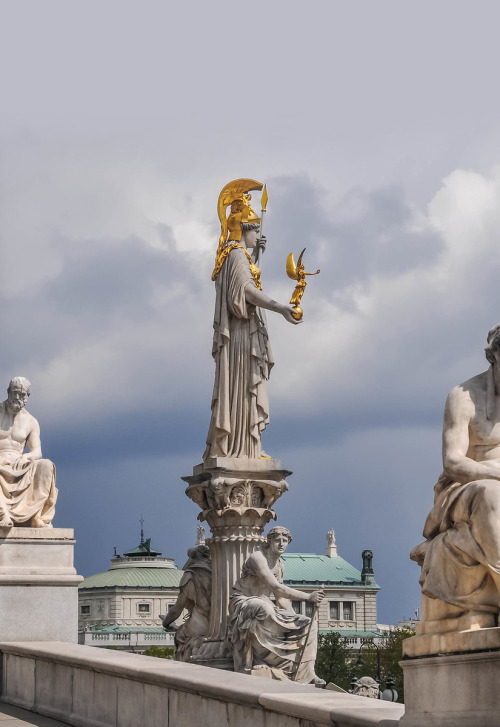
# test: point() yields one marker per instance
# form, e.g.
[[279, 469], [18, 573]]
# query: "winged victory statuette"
[[297, 272]]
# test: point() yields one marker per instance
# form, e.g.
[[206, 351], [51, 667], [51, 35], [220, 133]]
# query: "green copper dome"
[[134, 578]]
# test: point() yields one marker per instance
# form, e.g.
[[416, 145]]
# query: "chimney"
[[367, 575]]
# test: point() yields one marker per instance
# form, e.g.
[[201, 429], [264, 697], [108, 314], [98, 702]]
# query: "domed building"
[[121, 607]]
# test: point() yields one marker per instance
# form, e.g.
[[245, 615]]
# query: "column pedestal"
[[236, 497], [451, 679], [38, 585]]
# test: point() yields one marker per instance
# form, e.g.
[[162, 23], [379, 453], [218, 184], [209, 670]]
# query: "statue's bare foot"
[[37, 522], [6, 522], [263, 455]]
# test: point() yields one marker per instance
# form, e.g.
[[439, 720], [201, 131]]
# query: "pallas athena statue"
[[241, 348]]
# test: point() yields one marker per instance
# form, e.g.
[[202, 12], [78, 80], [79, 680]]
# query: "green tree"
[[161, 652], [390, 654], [334, 660]]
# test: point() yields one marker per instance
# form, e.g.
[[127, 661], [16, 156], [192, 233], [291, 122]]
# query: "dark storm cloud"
[[365, 233]]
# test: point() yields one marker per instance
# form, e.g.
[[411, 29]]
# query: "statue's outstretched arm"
[[257, 297], [280, 591]]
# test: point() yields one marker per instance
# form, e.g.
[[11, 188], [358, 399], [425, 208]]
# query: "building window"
[[84, 610], [143, 608], [334, 610], [348, 608], [296, 606], [309, 609]]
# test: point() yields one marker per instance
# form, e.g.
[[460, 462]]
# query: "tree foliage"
[[337, 663], [333, 660], [161, 652], [390, 654]]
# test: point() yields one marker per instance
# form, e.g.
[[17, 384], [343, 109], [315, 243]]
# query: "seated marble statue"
[[461, 557], [195, 591], [268, 637], [27, 482]]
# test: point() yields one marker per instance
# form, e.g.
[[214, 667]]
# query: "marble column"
[[236, 497]]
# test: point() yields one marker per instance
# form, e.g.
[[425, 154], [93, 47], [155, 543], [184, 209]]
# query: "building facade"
[[121, 607], [350, 604]]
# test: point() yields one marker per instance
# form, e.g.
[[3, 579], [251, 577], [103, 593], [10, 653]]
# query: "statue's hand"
[[261, 243], [316, 596], [287, 313], [21, 463]]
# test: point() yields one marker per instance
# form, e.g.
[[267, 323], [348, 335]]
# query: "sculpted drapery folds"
[[194, 596], [268, 637], [241, 348], [27, 482], [461, 557]]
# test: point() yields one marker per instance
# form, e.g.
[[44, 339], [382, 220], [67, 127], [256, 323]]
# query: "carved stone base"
[[236, 498], [38, 585], [223, 482], [459, 690], [452, 642]]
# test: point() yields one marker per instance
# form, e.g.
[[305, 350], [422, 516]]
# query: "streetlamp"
[[390, 694], [360, 661]]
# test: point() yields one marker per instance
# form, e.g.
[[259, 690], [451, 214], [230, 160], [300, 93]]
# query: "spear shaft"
[[263, 204], [299, 664]]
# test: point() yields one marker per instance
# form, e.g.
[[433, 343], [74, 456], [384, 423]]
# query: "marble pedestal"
[[451, 679], [38, 585], [236, 497]]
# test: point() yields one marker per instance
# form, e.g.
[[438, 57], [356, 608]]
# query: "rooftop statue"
[[269, 638], [460, 558], [27, 482], [241, 348]]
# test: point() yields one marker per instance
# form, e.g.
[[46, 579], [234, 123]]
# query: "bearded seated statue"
[[460, 558], [27, 482]]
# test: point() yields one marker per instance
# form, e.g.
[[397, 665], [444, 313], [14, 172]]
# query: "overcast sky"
[[376, 126]]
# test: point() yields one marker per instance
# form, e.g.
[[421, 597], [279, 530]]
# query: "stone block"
[[246, 716], [53, 689], [156, 713], [452, 642], [131, 703], [196, 710], [38, 585], [19, 680], [95, 698], [455, 690], [39, 613]]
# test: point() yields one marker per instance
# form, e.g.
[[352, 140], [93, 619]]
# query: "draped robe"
[[264, 634], [243, 361], [27, 489]]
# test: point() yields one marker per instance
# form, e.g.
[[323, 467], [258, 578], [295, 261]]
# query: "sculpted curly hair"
[[493, 340]]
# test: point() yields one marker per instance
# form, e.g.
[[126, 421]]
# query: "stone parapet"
[[87, 687]]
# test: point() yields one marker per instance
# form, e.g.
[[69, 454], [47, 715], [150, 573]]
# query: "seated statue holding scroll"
[[27, 482], [268, 637], [461, 556]]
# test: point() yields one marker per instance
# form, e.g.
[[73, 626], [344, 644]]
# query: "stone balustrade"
[[91, 687]]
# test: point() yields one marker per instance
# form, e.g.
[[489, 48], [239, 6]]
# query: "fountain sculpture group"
[[237, 484]]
